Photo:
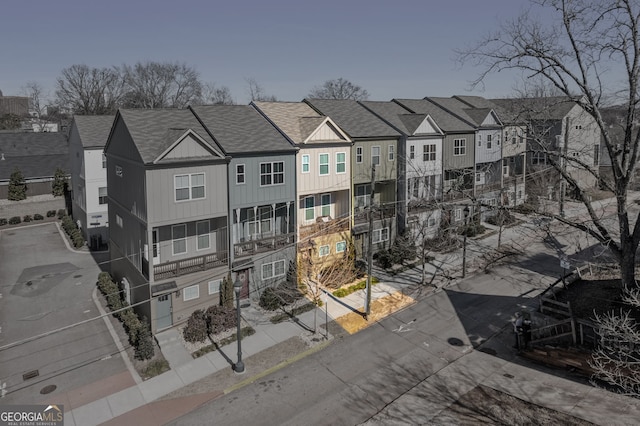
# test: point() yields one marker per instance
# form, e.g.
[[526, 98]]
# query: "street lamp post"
[[464, 242], [239, 366]]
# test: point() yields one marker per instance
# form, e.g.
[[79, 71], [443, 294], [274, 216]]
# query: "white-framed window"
[[306, 163], [272, 173], [375, 155], [429, 152], [488, 141], [119, 221], [102, 195], [363, 195], [104, 161], [309, 208], [240, 174], [412, 152], [202, 229], [431, 222], [324, 164], [190, 293], [214, 286], [273, 269], [392, 153], [341, 162], [179, 238], [325, 203], [119, 171], [358, 154], [323, 251], [341, 246], [380, 235], [538, 157], [460, 146], [457, 214], [189, 187], [505, 167]]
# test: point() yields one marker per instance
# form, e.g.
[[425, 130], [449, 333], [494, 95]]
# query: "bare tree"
[[216, 95], [339, 89], [38, 101], [160, 85], [87, 91], [257, 93], [573, 52]]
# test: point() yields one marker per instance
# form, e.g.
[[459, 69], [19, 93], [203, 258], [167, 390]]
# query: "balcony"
[[188, 266], [379, 212], [324, 227], [248, 248]]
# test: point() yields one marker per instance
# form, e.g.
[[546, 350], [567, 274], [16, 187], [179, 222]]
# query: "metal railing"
[[248, 248], [187, 266]]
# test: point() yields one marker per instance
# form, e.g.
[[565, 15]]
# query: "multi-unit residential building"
[[87, 138], [373, 158], [419, 166], [168, 213], [323, 176], [261, 180]]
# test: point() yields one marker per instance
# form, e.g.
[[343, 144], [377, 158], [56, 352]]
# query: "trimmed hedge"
[[72, 231], [38, 216], [3, 221], [15, 220], [343, 292], [51, 213]]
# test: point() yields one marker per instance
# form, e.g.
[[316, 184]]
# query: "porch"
[[187, 266], [261, 245]]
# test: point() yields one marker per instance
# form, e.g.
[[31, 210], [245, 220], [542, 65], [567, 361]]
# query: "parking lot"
[[48, 343]]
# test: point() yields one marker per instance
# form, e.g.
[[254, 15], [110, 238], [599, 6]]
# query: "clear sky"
[[394, 49]]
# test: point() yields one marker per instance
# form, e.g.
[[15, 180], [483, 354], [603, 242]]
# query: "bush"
[[3, 221], [155, 368], [51, 213], [220, 318], [473, 229], [27, 218], [144, 347], [196, 328], [503, 218], [61, 213], [270, 300], [361, 285], [38, 216], [132, 325], [15, 220], [383, 259]]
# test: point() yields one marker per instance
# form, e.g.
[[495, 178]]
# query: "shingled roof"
[[241, 129], [93, 129], [398, 116], [296, 119], [36, 155], [446, 121], [542, 108], [354, 119]]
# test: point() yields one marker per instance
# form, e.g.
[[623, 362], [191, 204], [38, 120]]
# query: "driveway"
[[45, 287]]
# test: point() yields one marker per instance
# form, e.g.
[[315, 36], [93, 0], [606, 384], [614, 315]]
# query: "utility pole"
[[563, 158], [367, 305]]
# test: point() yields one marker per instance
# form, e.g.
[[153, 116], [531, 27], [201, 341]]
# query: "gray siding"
[[251, 193], [451, 161], [386, 170]]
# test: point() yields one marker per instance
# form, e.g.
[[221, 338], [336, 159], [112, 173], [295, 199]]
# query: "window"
[[460, 146], [479, 140], [323, 251], [214, 286], [341, 246], [341, 162], [505, 168], [179, 237], [414, 184], [457, 214], [272, 173], [273, 269], [375, 155], [538, 157], [189, 187], [358, 154], [596, 154], [191, 293], [102, 195], [240, 174], [309, 209], [119, 171], [202, 229], [380, 235], [325, 203], [392, 152], [489, 141], [119, 221], [104, 161], [324, 164], [480, 178], [412, 152], [429, 152], [305, 163], [363, 194], [431, 222]]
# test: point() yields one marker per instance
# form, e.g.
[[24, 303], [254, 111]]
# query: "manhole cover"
[[77, 276], [454, 341], [48, 389]]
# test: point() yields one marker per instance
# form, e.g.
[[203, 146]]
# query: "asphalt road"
[[45, 287]]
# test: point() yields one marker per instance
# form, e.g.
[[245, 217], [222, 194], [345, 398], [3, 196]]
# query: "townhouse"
[[419, 166], [373, 161], [87, 137], [323, 176], [261, 179], [168, 239]]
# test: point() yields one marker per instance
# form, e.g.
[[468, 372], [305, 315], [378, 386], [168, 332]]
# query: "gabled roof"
[[446, 121], [353, 118], [298, 121], [93, 129], [398, 116], [241, 129], [37, 155], [153, 130], [472, 115], [540, 108]]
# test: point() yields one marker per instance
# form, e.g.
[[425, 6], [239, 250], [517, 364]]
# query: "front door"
[[244, 279], [163, 311]]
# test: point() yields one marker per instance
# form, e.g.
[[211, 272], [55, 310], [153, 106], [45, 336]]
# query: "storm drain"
[[47, 389], [30, 375]]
